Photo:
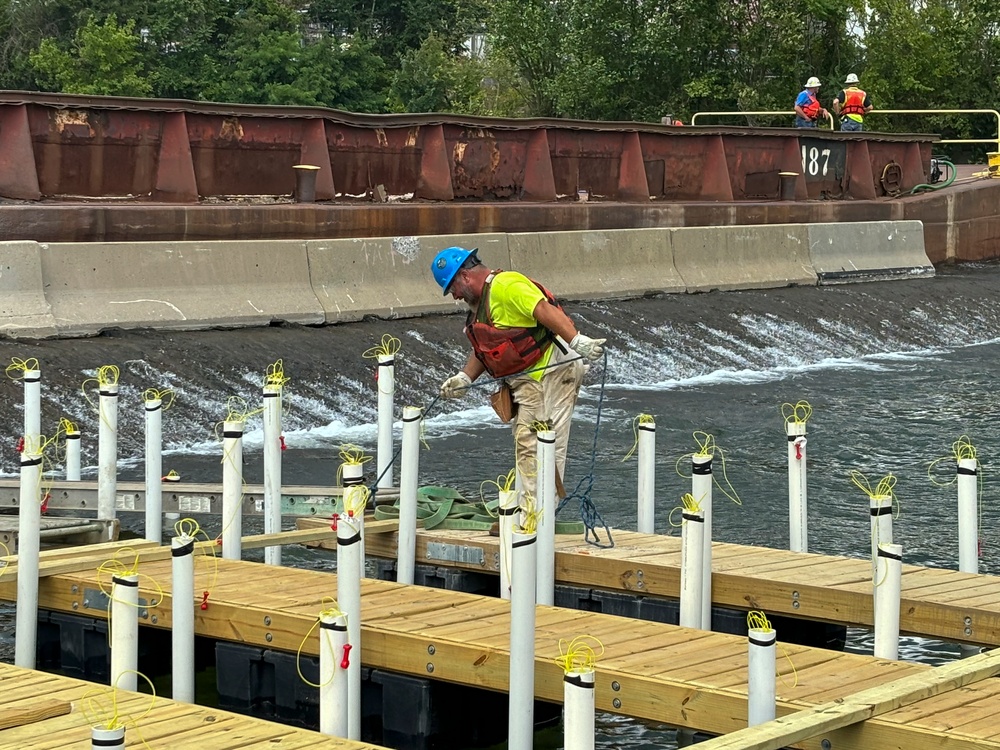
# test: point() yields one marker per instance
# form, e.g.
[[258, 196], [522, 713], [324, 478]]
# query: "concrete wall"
[[77, 289]]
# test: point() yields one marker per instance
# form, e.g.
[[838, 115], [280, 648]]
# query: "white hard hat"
[[851, 78], [814, 81]]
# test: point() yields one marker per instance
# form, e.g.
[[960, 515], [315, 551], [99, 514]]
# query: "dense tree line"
[[591, 59]]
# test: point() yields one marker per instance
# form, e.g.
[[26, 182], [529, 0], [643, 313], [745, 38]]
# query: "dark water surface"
[[895, 373]]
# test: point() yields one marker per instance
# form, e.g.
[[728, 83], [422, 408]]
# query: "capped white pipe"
[[692, 568], [107, 451], [333, 691], [29, 519], [350, 564], [182, 606], [232, 490], [968, 516], [107, 739], [272, 469], [761, 680], [409, 474], [154, 470], [124, 631], [888, 584], [507, 509], [32, 409], [646, 490], [73, 456], [386, 388], [798, 516], [701, 490], [521, 714], [545, 486], [353, 475], [578, 710]]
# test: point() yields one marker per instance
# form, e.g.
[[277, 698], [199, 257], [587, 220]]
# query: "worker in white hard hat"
[[808, 110], [852, 104]]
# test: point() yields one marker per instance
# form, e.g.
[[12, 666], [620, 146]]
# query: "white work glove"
[[588, 348], [456, 386]]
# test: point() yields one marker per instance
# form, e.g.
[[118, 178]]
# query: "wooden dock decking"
[[45, 712], [935, 602], [649, 670]]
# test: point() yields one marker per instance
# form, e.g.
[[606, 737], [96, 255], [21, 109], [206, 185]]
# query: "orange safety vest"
[[813, 107], [854, 101], [506, 351]]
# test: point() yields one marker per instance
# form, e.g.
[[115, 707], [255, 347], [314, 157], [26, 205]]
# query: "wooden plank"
[[39, 710], [867, 704]]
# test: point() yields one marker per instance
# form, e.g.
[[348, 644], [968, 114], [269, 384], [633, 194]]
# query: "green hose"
[[946, 183]]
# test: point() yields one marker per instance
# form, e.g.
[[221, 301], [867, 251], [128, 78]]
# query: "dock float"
[[678, 676], [47, 712]]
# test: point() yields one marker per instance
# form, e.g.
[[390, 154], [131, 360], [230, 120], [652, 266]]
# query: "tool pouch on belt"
[[503, 403]]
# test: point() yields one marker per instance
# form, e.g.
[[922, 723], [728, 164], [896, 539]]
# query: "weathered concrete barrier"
[[868, 251], [743, 257], [389, 277], [177, 285], [598, 264], [24, 313]]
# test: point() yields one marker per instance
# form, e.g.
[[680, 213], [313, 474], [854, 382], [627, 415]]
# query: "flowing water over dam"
[[895, 372]]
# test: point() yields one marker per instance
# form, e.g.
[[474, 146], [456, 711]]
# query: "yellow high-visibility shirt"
[[513, 298]]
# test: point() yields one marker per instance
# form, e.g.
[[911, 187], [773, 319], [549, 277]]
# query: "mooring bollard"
[[409, 473], [798, 516], [272, 469], [182, 606], [28, 541], [578, 711], [102, 738], [646, 490], [124, 631], [701, 490], [888, 584], [350, 566], [232, 490], [521, 717], [333, 691], [154, 469], [545, 486], [761, 681], [73, 456], [692, 568], [386, 389], [107, 451], [508, 508]]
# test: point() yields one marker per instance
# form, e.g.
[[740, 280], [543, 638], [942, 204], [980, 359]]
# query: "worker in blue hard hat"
[[519, 332]]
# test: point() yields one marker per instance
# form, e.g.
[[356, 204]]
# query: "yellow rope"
[[530, 514], [274, 376], [99, 715], [757, 620], [18, 367], [578, 655], [689, 504], [188, 527], [503, 483], [388, 347], [797, 413], [884, 489], [352, 455], [329, 610], [636, 421], [165, 396], [707, 448]]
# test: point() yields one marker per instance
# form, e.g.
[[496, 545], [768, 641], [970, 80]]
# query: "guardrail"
[[783, 113]]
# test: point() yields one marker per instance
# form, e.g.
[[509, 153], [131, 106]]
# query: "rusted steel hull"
[[59, 146]]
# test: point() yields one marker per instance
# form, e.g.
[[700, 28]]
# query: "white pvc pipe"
[[968, 516], [32, 409], [124, 631], [692, 568], [182, 606], [353, 475], [880, 508], [232, 490], [701, 489], [73, 456], [646, 490], [578, 710], [521, 715], [761, 680], [386, 388], [107, 451], [545, 572], [507, 510], [28, 527], [409, 474], [350, 532], [333, 698], [272, 470], [154, 470], [888, 582], [798, 521], [107, 739]]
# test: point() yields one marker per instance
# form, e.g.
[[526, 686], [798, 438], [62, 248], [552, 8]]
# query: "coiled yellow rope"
[[636, 421], [579, 655]]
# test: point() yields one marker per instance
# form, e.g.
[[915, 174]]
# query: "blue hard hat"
[[447, 263]]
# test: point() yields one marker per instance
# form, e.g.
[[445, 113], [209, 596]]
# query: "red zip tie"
[[346, 661], [333, 522], [204, 600], [281, 438], [45, 502], [798, 450], [19, 447]]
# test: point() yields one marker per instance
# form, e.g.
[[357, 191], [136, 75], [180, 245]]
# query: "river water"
[[895, 372]]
